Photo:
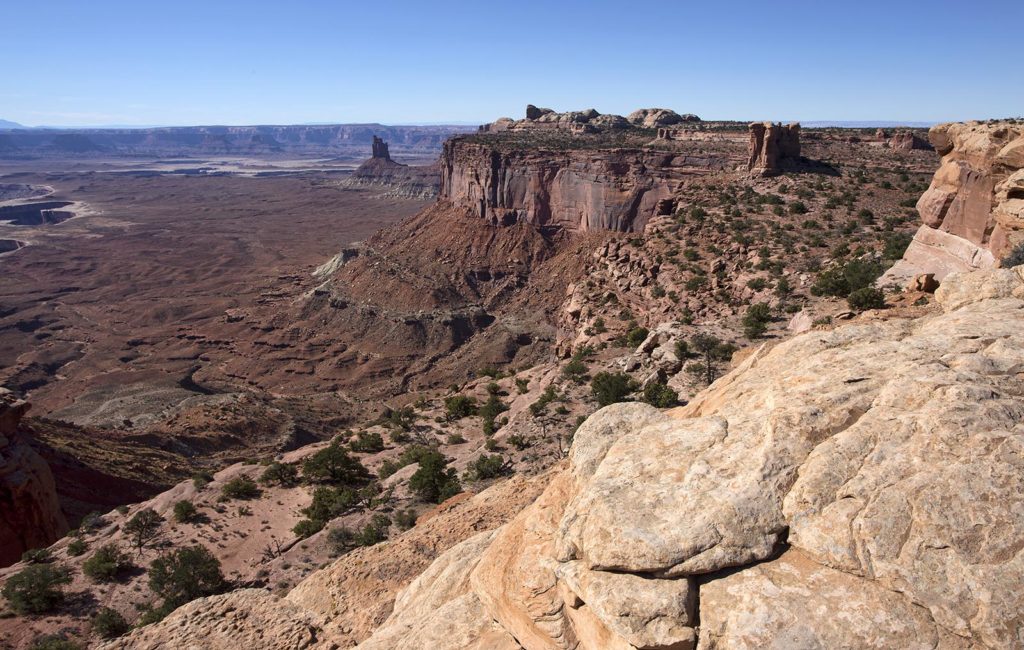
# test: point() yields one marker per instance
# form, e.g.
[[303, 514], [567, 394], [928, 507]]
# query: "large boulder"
[[859, 487], [773, 147], [973, 212], [651, 118]]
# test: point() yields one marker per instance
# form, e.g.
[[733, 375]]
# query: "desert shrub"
[[434, 481], [523, 384], [307, 528], [389, 467], [375, 532], [576, 369], [485, 467], [489, 411], [783, 288], [895, 245], [109, 624], [636, 336], [36, 589], [455, 439], [611, 387], [92, 521], [368, 442], [333, 464], [797, 207], [757, 284], [106, 564], [401, 418], [184, 511], [712, 351], [1015, 257], [77, 547], [240, 487], [866, 298], [549, 395], [841, 281], [330, 502], [186, 574], [37, 556], [457, 407], [54, 642], [405, 518], [756, 320], [339, 540], [143, 527], [281, 474], [660, 395], [201, 479], [518, 441], [696, 283]]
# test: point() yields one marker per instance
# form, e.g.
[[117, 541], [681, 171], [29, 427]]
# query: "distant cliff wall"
[[576, 190]]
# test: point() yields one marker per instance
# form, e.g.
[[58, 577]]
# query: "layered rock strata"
[[30, 515], [973, 213], [773, 147]]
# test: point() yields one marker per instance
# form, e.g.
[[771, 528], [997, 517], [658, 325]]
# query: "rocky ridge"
[[30, 515], [973, 213], [859, 486]]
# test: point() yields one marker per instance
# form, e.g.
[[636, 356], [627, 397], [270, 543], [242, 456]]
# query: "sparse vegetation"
[[434, 481], [108, 623], [240, 487], [36, 589], [660, 395], [333, 464], [283, 474], [143, 528], [107, 564], [184, 511], [184, 575], [611, 387]]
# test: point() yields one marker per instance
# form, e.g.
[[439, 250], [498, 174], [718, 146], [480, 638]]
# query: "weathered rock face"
[[973, 212], [864, 487], [772, 147], [30, 515], [654, 117], [380, 149], [575, 190], [908, 140]]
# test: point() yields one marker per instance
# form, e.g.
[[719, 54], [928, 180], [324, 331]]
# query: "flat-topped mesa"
[[773, 147], [380, 149], [30, 515], [973, 212], [588, 120]]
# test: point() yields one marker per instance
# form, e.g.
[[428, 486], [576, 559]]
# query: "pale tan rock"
[[355, 594], [437, 611], [796, 604], [240, 620]]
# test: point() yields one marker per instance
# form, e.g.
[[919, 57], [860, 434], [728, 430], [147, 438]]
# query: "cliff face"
[[973, 212], [772, 147], [30, 516], [575, 190]]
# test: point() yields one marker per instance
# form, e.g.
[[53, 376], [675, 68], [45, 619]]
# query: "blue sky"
[[223, 62]]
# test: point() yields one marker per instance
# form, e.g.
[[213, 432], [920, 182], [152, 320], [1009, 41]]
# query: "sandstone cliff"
[[773, 147], [860, 487], [30, 516], [973, 212], [571, 189]]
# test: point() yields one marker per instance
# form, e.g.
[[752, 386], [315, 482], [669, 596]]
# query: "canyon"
[[824, 473]]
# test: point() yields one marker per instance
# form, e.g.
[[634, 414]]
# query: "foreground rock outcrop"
[[860, 487], [30, 515], [973, 212]]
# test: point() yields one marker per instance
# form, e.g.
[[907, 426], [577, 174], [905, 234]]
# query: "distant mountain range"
[[7, 124]]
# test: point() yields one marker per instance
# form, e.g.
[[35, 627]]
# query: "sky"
[[159, 62]]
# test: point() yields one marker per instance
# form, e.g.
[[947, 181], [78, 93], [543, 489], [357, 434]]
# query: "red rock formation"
[[576, 190], [973, 211], [30, 516], [907, 141], [772, 146], [380, 149]]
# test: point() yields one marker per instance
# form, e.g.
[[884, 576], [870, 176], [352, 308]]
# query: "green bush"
[[374, 532], [485, 467], [37, 556], [660, 395], [489, 411], [549, 395], [184, 511], [307, 528], [240, 487], [106, 564], [186, 574], [405, 518], [575, 370], [434, 481], [333, 464], [841, 281], [522, 385], [77, 547], [459, 406], [611, 387], [36, 589], [866, 298], [143, 527], [895, 245], [109, 624], [636, 336], [281, 474], [201, 479], [54, 642], [756, 320], [330, 502], [367, 442]]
